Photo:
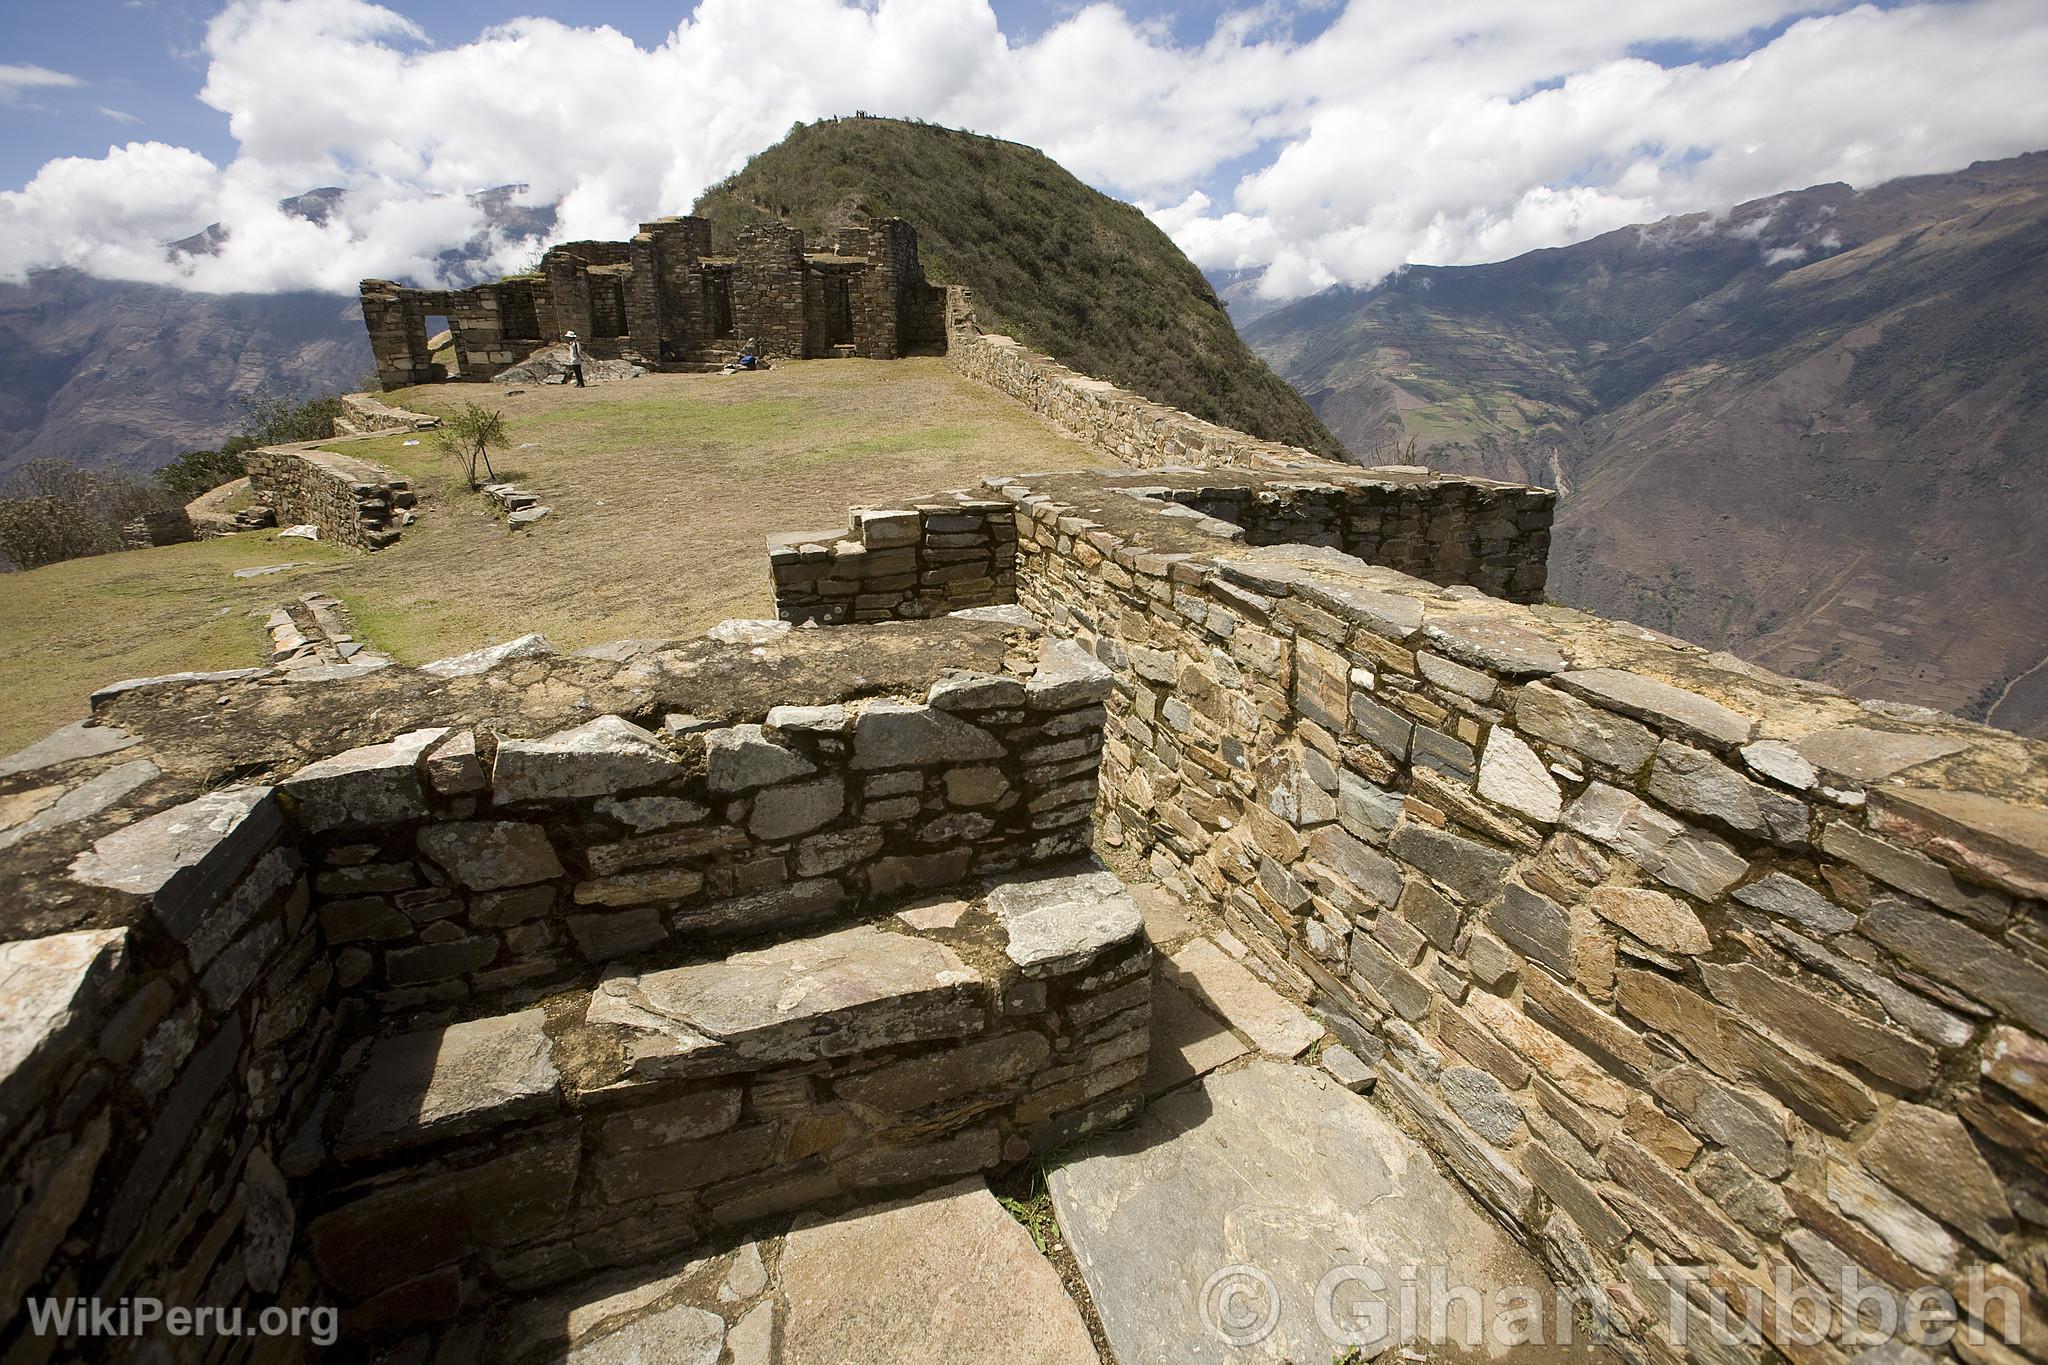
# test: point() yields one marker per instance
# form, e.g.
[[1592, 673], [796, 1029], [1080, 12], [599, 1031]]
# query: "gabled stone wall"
[[1672, 960], [666, 299]]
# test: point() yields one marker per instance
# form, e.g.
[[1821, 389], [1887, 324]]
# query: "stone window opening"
[[608, 305], [519, 317], [441, 343]]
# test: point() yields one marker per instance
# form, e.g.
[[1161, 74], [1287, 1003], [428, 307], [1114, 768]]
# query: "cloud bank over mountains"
[[1440, 134]]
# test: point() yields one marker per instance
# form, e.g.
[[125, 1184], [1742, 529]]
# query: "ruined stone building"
[[456, 1001], [664, 298]]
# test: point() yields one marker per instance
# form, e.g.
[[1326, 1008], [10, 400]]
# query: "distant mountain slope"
[[1081, 276], [1814, 431], [133, 375]]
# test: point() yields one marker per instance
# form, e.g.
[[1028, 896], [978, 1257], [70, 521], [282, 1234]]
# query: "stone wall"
[[1672, 960], [450, 865], [1136, 431], [352, 501], [664, 299], [152, 1074], [172, 526], [931, 556], [217, 1089], [364, 414]]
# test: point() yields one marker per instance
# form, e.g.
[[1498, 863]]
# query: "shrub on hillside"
[[200, 471], [268, 419], [39, 531], [53, 510], [468, 437]]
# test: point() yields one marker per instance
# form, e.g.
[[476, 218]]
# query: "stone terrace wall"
[[442, 872], [1446, 529], [151, 1075], [179, 1120], [931, 556], [1671, 959], [352, 501], [363, 414], [1137, 431], [936, 1044]]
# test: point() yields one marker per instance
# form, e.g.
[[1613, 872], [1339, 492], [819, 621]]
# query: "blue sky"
[[1322, 142]]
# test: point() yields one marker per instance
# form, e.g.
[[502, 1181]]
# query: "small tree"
[[469, 436]]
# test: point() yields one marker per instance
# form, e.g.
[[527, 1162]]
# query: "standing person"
[[575, 357]]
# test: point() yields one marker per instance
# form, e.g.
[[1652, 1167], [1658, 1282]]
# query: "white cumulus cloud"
[[1461, 131]]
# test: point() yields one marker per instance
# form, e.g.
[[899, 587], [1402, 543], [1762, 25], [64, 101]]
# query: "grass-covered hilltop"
[[1085, 278]]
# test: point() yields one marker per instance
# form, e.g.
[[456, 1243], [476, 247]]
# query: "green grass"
[[69, 628], [663, 488]]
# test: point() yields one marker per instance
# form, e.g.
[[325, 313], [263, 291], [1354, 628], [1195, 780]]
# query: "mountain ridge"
[[1807, 429], [1088, 279]]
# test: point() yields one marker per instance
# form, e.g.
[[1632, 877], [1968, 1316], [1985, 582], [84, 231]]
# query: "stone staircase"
[[662, 1106], [314, 632]]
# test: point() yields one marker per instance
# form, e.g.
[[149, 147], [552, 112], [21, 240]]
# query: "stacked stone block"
[[1673, 961], [946, 1041], [352, 501], [450, 864], [927, 558]]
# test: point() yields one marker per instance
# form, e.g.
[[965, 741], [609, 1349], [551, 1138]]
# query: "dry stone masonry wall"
[[1672, 960], [664, 299], [450, 864], [352, 501], [514, 993], [931, 556], [364, 414], [1137, 431]]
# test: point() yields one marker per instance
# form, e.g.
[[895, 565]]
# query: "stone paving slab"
[[1187, 1040], [945, 1278], [441, 1082], [75, 741], [799, 1000], [1238, 1198], [1274, 1024], [941, 1278]]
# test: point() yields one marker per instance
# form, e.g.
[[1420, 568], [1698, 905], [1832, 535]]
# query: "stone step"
[[486, 1157], [943, 1276]]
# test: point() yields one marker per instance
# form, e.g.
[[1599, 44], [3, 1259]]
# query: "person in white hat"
[[575, 358]]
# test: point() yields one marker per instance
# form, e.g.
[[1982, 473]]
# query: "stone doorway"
[[838, 310]]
